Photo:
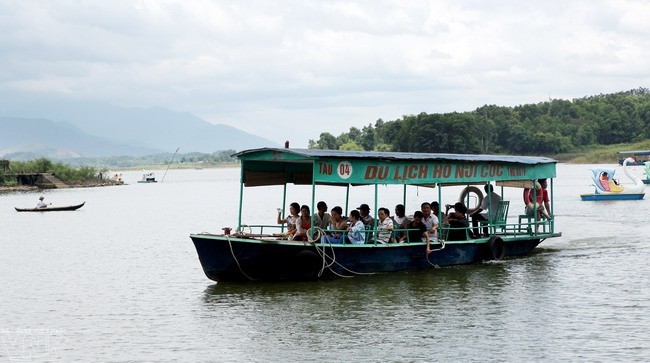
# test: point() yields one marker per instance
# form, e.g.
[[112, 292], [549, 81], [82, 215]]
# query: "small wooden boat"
[[51, 209]]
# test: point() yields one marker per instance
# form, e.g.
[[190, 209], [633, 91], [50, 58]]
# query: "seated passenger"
[[385, 226], [458, 222], [490, 204], [400, 219], [291, 219], [303, 224], [366, 218], [356, 230], [338, 223], [429, 219], [417, 230], [322, 218]]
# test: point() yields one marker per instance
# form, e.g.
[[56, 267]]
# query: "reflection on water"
[[120, 280]]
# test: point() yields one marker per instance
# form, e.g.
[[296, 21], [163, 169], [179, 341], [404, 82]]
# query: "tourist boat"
[[147, 177], [639, 157], [646, 172], [252, 253], [51, 209], [608, 188]]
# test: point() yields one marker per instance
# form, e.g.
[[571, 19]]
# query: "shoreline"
[[5, 189]]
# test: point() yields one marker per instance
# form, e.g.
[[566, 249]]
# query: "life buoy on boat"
[[465, 193], [539, 196], [496, 249]]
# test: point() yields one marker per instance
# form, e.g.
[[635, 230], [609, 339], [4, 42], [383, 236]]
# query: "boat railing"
[[525, 226]]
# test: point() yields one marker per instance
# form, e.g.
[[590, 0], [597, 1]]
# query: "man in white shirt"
[[40, 203], [489, 203], [385, 226], [429, 220]]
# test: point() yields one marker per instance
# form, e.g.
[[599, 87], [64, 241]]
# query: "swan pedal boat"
[[263, 252], [605, 188], [51, 209]]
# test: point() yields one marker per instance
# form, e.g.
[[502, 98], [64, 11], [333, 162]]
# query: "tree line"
[[546, 128]]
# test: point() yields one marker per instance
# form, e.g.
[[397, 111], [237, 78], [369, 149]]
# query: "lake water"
[[119, 280]]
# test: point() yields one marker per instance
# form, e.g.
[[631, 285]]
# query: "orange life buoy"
[[539, 196]]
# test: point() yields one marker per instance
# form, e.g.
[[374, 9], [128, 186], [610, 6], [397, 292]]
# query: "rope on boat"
[[232, 252], [442, 242], [332, 259]]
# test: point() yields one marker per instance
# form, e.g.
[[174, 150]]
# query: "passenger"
[[366, 218], [303, 224], [338, 223], [356, 230], [385, 226], [400, 220], [458, 222], [322, 218], [418, 230], [435, 209], [489, 203], [547, 205], [429, 219], [40, 203], [291, 219]]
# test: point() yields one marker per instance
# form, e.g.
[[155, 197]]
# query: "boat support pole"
[[374, 227], [241, 195], [347, 199], [313, 210], [284, 202]]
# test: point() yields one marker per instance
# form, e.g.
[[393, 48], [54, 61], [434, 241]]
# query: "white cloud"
[[292, 69]]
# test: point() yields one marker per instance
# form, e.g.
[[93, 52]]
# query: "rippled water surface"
[[119, 280]]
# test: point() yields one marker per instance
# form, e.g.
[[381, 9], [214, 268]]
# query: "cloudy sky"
[[294, 69]]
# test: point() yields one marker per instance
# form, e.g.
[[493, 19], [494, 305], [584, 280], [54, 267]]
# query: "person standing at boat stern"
[[489, 204], [366, 218], [356, 230], [40, 203], [322, 219]]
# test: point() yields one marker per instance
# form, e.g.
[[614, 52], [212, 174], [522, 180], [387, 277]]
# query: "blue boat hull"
[[283, 260], [598, 197]]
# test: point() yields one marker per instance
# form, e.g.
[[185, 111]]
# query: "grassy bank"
[[601, 154]]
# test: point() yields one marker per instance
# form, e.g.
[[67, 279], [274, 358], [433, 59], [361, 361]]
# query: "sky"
[[290, 70]]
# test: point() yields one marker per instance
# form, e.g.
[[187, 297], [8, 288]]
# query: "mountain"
[[156, 128], [42, 137]]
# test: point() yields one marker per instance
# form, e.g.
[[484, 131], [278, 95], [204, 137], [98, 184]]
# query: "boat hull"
[[241, 259], [599, 197], [51, 209]]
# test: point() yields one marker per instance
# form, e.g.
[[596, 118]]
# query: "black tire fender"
[[496, 249], [306, 264]]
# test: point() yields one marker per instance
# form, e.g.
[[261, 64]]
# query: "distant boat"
[[51, 209], [607, 188], [147, 177], [639, 156]]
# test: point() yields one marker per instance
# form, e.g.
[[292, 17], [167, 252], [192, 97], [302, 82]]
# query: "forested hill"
[[546, 128]]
